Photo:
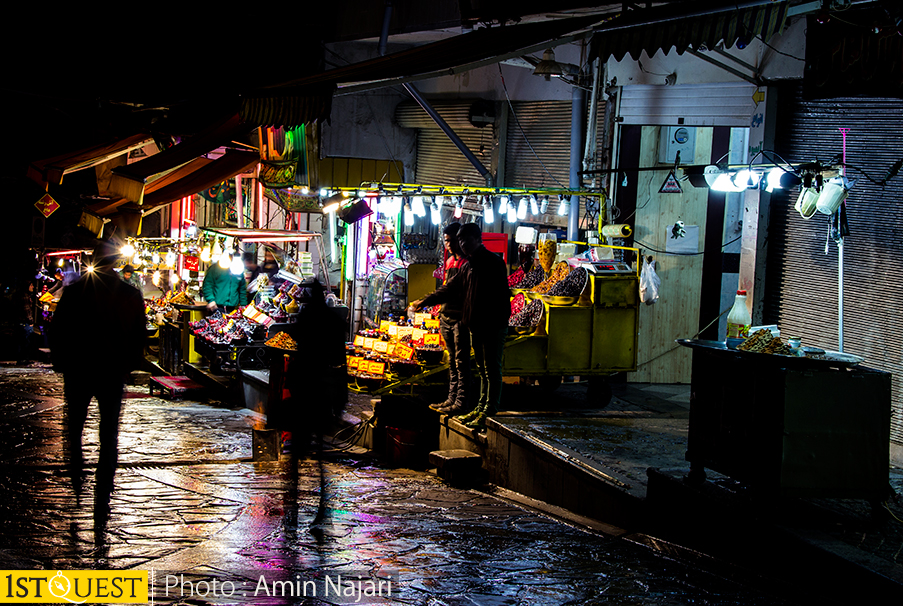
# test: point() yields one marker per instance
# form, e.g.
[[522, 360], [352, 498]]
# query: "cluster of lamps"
[[512, 206]]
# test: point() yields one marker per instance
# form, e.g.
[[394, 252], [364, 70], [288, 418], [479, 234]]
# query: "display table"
[[789, 426]]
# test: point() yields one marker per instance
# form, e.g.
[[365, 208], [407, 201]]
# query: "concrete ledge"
[[457, 467]]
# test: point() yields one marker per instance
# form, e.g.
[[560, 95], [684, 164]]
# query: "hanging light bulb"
[[396, 204], [459, 208], [156, 278], [435, 213], [503, 205], [155, 257], [563, 206], [217, 251], [237, 267], [512, 213], [747, 179], [488, 214], [171, 258], [544, 205], [534, 205], [324, 193], [225, 260], [522, 209], [408, 214], [60, 262], [205, 254], [128, 250], [136, 260], [417, 206], [174, 278]]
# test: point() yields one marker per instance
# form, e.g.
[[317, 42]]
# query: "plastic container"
[[738, 321]]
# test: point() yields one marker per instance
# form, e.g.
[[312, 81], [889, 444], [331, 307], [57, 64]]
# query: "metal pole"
[[840, 295], [578, 115]]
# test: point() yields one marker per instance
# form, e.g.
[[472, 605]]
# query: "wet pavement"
[[190, 505]]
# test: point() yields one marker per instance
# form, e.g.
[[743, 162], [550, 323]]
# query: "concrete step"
[[458, 467]]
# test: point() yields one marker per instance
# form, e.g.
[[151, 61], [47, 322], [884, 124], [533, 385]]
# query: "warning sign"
[[671, 185], [46, 205]]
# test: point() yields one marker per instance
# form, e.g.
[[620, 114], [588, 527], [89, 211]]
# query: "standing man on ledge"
[[483, 285]]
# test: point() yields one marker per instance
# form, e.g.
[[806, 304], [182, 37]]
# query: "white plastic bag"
[[650, 283]]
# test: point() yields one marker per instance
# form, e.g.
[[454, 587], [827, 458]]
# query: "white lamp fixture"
[[550, 68], [488, 214], [225, 260], [408, 215], [534, 206], [522, 209], [544, 205], [512, 213], [747, 179], [237, 267], [563, 206], [459, 208], [417, 206], [435, 213], [503, 205]]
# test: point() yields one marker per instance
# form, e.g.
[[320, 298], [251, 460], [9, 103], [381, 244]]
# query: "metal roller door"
[[801, 282], [439, 162]]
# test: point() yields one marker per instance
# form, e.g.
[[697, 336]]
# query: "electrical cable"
[[523, 132], [664, 252]]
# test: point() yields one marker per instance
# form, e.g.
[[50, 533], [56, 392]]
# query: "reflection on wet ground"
[[190, 506]]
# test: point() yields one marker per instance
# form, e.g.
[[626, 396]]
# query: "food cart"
[[591, 334]]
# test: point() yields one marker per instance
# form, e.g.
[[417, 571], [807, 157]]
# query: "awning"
[[130, 181], [53, 169], [301, 101], [663, 28], [205, 176]]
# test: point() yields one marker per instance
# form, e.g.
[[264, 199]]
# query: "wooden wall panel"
[[676, 314]]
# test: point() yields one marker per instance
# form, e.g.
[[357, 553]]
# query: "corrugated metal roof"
[[628, 35]]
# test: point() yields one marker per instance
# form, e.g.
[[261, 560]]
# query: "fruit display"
[[518, 302], [530, 315], [225, 329], [548, 250], [762, 341], [282, 341], [516, 277], [532, 278], [562, 269], [572, 285]]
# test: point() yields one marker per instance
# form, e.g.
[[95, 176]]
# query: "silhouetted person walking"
[[98, 338], [317, 380]]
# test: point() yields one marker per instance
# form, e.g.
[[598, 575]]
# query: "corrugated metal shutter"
[[439, 162], [725, 104], [547, 127], [801, 280]]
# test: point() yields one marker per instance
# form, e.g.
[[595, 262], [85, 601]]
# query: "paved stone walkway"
[[190, 506]]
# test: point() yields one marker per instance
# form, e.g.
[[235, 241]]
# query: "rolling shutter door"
[[439, 162], [547, 126], [801, 289]]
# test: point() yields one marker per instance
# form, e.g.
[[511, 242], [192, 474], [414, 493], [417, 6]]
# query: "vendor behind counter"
[[222, 289]]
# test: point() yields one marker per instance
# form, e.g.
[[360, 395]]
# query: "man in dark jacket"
[[98, 338], [483, 284]]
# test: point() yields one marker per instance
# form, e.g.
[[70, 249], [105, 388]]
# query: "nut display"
[[548, 250], [518, 302], [562, 269], [530, 315], [282, 341], [762, 341], [532, 278], [516, 277], [572, 285]]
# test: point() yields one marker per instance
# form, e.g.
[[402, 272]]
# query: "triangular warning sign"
[[670, 186]]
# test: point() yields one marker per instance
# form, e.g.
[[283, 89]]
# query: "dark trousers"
[[79, 388], [457, 340], [489, 347]]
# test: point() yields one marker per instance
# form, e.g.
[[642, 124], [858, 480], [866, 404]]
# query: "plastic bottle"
[[738, 321]]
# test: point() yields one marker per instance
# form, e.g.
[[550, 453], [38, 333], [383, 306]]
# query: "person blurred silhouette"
[[98, 338], [317, 382]]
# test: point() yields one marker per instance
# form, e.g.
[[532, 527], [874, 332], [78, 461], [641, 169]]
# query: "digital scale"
[[607, 267]]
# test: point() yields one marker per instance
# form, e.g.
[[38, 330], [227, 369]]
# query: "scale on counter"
[[607, 267]]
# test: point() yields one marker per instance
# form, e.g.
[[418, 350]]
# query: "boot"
[[465, 419], [449, 402], [478, 422]]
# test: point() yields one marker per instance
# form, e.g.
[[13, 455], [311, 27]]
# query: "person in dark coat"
[[317, 380], [455, 335], [483, 285], [97, 340]]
